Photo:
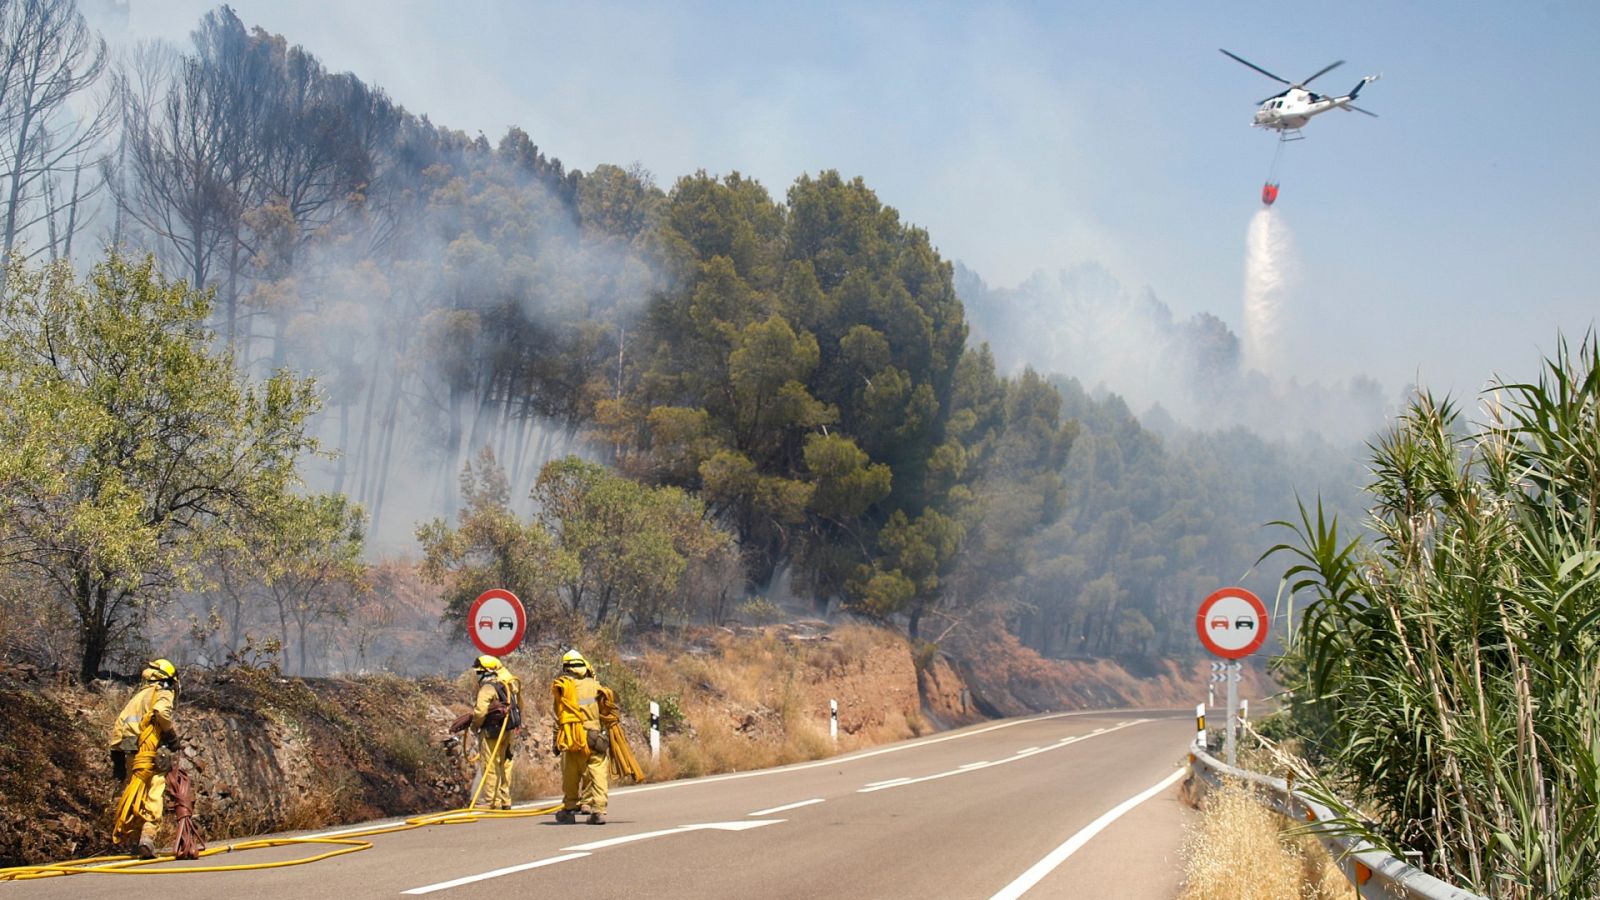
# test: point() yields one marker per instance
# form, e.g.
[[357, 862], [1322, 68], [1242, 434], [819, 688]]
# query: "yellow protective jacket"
[[583, 703], [149, 708], [488, 694]]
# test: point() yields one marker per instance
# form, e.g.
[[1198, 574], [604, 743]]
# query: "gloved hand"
[[170, 740], [119, 765]]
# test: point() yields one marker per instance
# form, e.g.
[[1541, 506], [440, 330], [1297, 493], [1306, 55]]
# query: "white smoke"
[[1269, 253]]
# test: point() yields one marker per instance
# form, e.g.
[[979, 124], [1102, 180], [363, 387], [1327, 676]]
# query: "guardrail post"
[[1244, 709], [833, 720], [655, 731], [1200, 725]]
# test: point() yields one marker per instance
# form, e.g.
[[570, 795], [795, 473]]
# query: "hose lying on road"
[[346, 842]]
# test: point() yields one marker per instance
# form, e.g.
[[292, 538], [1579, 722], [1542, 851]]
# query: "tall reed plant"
[[1446, 674]]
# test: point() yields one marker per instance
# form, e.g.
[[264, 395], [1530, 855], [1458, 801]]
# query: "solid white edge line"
[[785, 808], [1026, 750], [1059, 855], [445, 885]]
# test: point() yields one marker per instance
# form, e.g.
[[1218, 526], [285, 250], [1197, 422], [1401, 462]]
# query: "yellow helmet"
[[572, 659], [160, 670], [486, 663]]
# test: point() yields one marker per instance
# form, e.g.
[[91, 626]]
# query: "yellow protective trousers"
[[584, 779], [493, 785], [144, 798]]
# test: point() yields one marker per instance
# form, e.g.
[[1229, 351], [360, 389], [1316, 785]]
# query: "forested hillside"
[[640, 405]]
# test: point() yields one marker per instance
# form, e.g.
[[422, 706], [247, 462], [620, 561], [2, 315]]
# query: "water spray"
[[1268, 251]]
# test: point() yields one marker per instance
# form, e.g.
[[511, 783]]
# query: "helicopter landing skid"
[[1290, 134]]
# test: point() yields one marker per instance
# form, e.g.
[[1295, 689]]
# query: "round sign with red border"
[[496, 622], [1232, 623]]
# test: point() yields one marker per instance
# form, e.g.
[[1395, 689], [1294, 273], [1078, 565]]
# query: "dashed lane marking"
[[785, 808], [457, 882], [868, 754], [578, 851], [973, 767]]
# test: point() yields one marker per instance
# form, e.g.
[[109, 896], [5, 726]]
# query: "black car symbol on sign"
[[508, 625], [1245, 622]]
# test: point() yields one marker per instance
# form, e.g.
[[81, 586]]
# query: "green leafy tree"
[[631, 544], [141, 446]]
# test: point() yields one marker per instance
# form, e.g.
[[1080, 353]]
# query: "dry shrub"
[[1241, 850], [533, 778]]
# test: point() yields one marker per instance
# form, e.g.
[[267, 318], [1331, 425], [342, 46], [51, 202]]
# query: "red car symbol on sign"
[[1219, 622]]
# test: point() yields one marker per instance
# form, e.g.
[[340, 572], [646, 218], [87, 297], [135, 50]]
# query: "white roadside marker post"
[[655, 731], [1229, 741], [1200, 726], [833, 720]]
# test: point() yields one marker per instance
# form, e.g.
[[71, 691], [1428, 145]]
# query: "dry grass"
[[1240, 850], [759, 701], [534, 778]]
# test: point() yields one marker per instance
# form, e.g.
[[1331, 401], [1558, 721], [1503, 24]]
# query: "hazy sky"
[[1449, 238]]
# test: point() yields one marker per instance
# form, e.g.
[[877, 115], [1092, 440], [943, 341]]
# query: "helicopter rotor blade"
[[1323, 71], [1273, 97], [1240, 59]]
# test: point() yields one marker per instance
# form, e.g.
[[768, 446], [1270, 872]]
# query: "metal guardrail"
[[1375, 873]]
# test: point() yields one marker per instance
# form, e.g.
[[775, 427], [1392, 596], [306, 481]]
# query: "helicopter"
[[1286, 112]]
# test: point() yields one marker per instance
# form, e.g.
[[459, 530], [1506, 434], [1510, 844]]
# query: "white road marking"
[[868, 754], [703, 826], [581, 850], [1056, 857], [444, 885], [973, 767], [888, 781], [624, 839], [784, 808]]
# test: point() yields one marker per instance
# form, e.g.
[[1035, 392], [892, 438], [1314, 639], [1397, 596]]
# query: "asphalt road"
[[1065, 805]]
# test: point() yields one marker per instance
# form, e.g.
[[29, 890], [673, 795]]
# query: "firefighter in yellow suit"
[[580, 739], [142, 729], [496, 716]]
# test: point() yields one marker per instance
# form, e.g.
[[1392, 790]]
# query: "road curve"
[[1062, 805]]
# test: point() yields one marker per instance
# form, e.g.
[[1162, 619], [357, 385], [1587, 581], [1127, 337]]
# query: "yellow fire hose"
[[348, 842]]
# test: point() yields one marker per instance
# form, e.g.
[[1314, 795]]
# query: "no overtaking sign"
[[1232, 623], [496, 622]]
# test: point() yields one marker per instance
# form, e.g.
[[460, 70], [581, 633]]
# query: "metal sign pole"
[[1233, 714]]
